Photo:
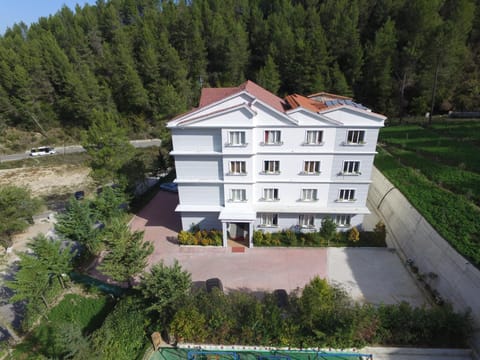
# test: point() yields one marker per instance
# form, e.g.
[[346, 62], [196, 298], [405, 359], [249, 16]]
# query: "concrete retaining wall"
[[405, 353], [451, 275]]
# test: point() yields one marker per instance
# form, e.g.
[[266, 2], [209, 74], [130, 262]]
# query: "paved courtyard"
[[368, 274]]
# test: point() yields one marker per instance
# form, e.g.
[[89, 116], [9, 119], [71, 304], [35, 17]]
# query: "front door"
[[238, 234]]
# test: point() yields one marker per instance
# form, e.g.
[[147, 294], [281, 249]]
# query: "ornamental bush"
[[353, 235], [288, 237], [200, 237]]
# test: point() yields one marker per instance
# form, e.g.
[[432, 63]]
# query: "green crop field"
[[438, 170], [436, 144]]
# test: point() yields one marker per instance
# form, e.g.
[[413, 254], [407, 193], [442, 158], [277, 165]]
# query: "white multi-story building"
[[247, 160]]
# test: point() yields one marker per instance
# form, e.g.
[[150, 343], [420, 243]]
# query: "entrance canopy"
[[237, 215]]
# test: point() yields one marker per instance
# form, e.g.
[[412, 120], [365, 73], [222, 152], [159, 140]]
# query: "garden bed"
[[201, 237], [352, 238], [289, 238]]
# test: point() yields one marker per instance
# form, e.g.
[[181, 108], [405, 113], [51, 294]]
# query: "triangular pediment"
[[308, 118], [271, 117], [240, 115], [354, 116]]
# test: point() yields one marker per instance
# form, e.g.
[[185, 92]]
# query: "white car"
[[43, 150]]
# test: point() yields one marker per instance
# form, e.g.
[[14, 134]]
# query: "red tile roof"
[[264, 95], [296, 100], [316, 102], [211, 95]]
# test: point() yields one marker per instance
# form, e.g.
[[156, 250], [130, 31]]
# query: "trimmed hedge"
[[352, 238], [201, 237]]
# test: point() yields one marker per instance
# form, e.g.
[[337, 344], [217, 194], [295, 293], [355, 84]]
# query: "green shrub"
[[315, 239], [353, 235], [85, 314], [328, 228], [291, 238], [122, 334], [258, 238], [201, 237], [310, 238], [189, 323], [267, 239], [185, 238], [321, 315], [217, 237], [438, 326]]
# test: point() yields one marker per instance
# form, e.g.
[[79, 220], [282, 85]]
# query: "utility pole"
[[44, 133], [434, 91]]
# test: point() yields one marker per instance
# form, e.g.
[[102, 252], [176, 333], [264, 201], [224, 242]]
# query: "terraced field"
[[438, 170]]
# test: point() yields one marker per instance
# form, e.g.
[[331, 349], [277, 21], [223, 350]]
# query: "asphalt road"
[[78, 148]]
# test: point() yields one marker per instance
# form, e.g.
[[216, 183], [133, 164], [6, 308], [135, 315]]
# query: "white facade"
[[245, 163]]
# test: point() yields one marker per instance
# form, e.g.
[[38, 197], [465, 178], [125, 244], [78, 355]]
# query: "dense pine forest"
[[145, 61]]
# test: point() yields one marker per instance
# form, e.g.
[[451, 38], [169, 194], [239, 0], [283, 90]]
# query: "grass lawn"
[[87, 313], [438, 170]]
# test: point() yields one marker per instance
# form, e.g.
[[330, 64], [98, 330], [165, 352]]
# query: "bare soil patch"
[[47, 181]]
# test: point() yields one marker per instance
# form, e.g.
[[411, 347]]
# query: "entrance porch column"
[[224, 234], [250, 234]]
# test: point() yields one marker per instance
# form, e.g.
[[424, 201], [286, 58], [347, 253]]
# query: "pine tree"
[[32, 282], [78, 224], [268, 76], [337, 83], [340, 21], [126, 252], [377, 85], [165, 288], [108, 147], [55, 257], [17, 208]]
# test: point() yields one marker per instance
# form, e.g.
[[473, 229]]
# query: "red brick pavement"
[[257, 269]]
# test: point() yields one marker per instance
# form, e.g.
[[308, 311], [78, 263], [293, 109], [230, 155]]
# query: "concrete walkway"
[[374, 275]]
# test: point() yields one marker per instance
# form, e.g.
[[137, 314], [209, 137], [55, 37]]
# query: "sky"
[[28, 11]]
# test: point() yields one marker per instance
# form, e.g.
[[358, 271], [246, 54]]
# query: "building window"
[[309, 195], [346, 195], [237, 168], [311, 167], [236, 138], [356, 137], [270, 220], [343, 220], [238, 195], [271, 167], [272, 137], [270, 194], [306, 221], [351, 168], [314, 137]]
